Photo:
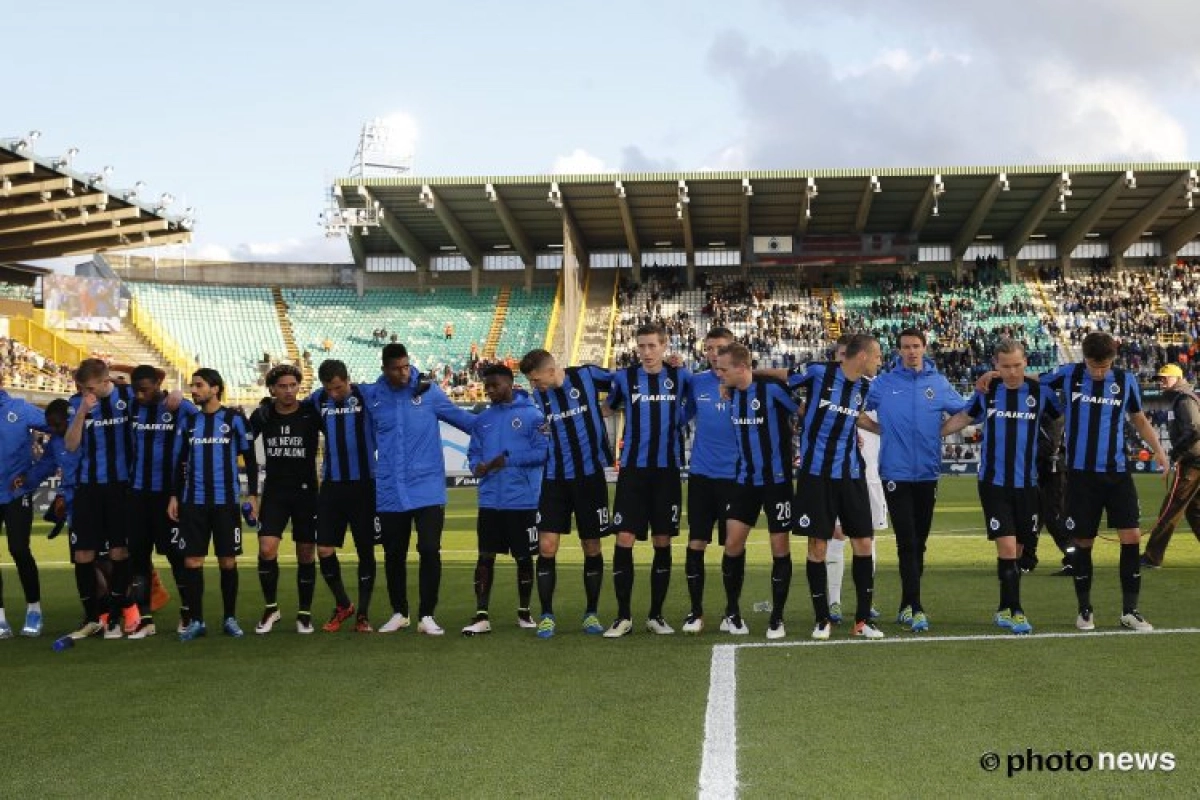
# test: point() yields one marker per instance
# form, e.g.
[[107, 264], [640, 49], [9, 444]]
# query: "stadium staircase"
[[592, 340], [289, 334], [1048, 310], [493, 338], [126, 346], [829, 298]]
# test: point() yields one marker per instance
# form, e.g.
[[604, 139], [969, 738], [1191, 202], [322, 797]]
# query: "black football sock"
[[524, 581], [395, 569], [781, 585], [1083, 578], [660, 579], [430, 578], [366, 579], [733, 575], [862, 569], [306, 585], [1131, 578], [118, 587], [229, 592], [485, 567], [331, 571], [194, 581], [268, 577], [818, 588], [593, 581], [27, 571], [547, 575], [622, 573], [693, 573], [85, 582], [179, 573], [1010, 583]]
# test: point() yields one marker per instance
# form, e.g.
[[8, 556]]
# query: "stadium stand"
[[229, 328], [525, 324], [28, 369]]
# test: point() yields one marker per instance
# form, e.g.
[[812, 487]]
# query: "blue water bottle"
[[63, 643], [248, 515]]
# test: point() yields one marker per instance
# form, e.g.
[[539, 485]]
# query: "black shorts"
[[746, 501], [396, 528], [1088, 494], [823, 502], [149, 525], [18, 522], [502, 530], [586, 498], [342, 504], [648, 498], [279, 506], [100, 516], [1009, 511], [219, 524], [707, 505]]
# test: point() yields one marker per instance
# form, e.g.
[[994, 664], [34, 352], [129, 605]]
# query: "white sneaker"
[[304, 623], [479, 625], [145, 628], [776, 631], [429, 627], [396, 623], [619, 628], [1134, 621], [867, 630], [736, 625], [113, 631], [693, 625], [269, 618], [821, 631], [525, 619], [659, 625], [1084, 621]]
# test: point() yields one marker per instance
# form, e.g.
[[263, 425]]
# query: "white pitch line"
[[718, 761], [718, 764]]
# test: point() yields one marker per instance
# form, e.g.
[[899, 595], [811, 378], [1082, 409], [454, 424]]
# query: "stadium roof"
[[49, 210], [643, 212]]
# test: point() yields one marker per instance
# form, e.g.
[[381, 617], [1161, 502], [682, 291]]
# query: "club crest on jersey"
[[668, 384], [352, 402], [929, 393], [120, 404], [804, 521], [891, 486], [1030, 401], [516, 423], [166, 417], [1114, 389], [12, 416], [224, 429], [573, 394], [755, 404], [416, 401]]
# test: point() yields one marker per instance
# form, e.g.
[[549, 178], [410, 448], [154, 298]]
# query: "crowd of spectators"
[[28, 369]]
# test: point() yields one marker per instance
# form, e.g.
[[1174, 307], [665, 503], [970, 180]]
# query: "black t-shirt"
[[289, 444]]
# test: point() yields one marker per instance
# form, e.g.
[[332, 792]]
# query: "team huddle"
[[144, 470]]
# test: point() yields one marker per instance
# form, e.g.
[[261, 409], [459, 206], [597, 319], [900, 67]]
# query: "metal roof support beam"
[[98, 199], [35, 187], [921, 212], [572, 229], [16, 168], [810, 191], [1139, 223], [27, 223], [1020, 234], [402, 237], [1180, 234], [357, 250], [35, 253], [458, 233], [47, 238], [683, 211], [631, 238], [516, 235], [864, 204], [1078, 230], [966, 234]]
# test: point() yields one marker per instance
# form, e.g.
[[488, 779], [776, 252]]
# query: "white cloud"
[[579, 162]]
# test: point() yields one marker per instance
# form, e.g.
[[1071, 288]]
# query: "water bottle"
[[248, 515], [763, 606], [63, 643]]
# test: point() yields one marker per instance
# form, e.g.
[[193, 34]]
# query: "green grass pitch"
[[344, 715]]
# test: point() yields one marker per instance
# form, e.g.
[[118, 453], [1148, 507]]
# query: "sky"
[[247, 111]]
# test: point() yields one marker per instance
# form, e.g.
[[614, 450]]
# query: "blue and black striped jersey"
[[829, 439], [578, 439], [1095, 415], [761, 416], [654, 406]]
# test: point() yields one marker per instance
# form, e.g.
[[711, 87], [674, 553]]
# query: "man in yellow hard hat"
[[1183, 494]]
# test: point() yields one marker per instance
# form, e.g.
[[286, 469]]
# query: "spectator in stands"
[[449, 331]]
